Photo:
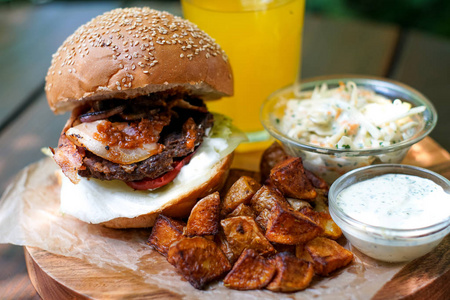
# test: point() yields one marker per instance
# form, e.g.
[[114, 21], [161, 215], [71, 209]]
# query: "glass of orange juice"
[[262, 39]]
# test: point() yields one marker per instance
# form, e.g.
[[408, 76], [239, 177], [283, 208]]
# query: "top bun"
[[130, 52]]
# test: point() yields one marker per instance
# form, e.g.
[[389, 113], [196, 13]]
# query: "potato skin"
[[292, 274], [316, 181], [204, 217], [290, 178], [242, 233], [324, 220], [267, 198], [239, 193], [199, 260], [270, 158], [291, 227], [327, 255], [242, 211], [165, 232], [250, 272], [234, 175]]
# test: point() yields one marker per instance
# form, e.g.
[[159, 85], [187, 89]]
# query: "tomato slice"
[[152, 184]]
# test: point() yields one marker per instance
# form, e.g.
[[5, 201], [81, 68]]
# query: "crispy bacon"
[[67, 155], [68, 158]]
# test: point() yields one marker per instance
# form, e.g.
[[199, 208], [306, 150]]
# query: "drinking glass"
[[262, 39]]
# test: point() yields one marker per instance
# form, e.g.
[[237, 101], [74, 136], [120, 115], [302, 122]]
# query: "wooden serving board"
[[60, 277]]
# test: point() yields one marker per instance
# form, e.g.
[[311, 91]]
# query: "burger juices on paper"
[[140, 140]]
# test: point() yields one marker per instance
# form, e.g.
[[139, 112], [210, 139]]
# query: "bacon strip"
[[68, 156]]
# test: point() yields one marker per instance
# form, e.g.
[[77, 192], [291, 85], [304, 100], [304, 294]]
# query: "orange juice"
[[262, 39]]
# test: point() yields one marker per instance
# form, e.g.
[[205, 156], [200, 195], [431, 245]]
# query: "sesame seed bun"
[[131, 52]]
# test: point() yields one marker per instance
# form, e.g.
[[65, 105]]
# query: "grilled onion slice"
[[84, 134]]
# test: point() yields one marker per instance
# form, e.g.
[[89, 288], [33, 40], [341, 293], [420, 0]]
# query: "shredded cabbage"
[[349, 117]]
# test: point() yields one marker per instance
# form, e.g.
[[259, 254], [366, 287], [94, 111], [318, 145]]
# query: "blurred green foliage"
[[428, 15]]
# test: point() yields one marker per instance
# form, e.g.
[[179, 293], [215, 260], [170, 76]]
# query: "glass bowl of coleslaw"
[[337, 124]]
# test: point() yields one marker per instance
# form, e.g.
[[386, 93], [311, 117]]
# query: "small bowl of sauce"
[[392, 212]]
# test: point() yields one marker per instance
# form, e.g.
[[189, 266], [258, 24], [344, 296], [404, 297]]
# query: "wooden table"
[[30, 34]]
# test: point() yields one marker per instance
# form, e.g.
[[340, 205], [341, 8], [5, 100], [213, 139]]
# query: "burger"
[[140, 140]]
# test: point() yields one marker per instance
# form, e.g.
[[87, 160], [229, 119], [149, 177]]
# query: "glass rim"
[[386, 232], [366, 81]]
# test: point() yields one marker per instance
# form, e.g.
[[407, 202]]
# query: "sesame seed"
[[134, 27]]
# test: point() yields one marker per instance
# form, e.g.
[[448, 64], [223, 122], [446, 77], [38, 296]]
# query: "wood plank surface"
[[21, 142], [425, 65], [14, 279], [426, 277]]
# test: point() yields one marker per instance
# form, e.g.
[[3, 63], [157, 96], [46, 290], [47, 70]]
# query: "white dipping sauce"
[[395, 201]]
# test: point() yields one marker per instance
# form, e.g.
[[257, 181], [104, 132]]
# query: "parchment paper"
[[29, 215]]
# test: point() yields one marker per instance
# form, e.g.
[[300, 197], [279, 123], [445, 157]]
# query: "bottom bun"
[[181, 205]]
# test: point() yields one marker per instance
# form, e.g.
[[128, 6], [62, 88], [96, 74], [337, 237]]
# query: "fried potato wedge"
[[316, 181], [204, 218], [242, 211], [199, 260], [235, 174], [270, 158], [291, 227], [298, 204], [327, 255], [302, 253], [284, 248], [321, 201], [239, 193], [250, 272], [292, 274], [324, 220], [165, 232], [242, 233], [221, 240], [290, 178], [267, 198], [263, 219]]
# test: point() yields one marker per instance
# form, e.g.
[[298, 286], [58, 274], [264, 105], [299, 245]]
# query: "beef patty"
[[187, 127]]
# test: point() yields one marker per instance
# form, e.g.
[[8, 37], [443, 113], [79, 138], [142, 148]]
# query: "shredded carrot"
[[338, 113], [352, 128]]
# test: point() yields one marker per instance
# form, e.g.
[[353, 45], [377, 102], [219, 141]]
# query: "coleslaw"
[[344, 127], [348, 117]]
